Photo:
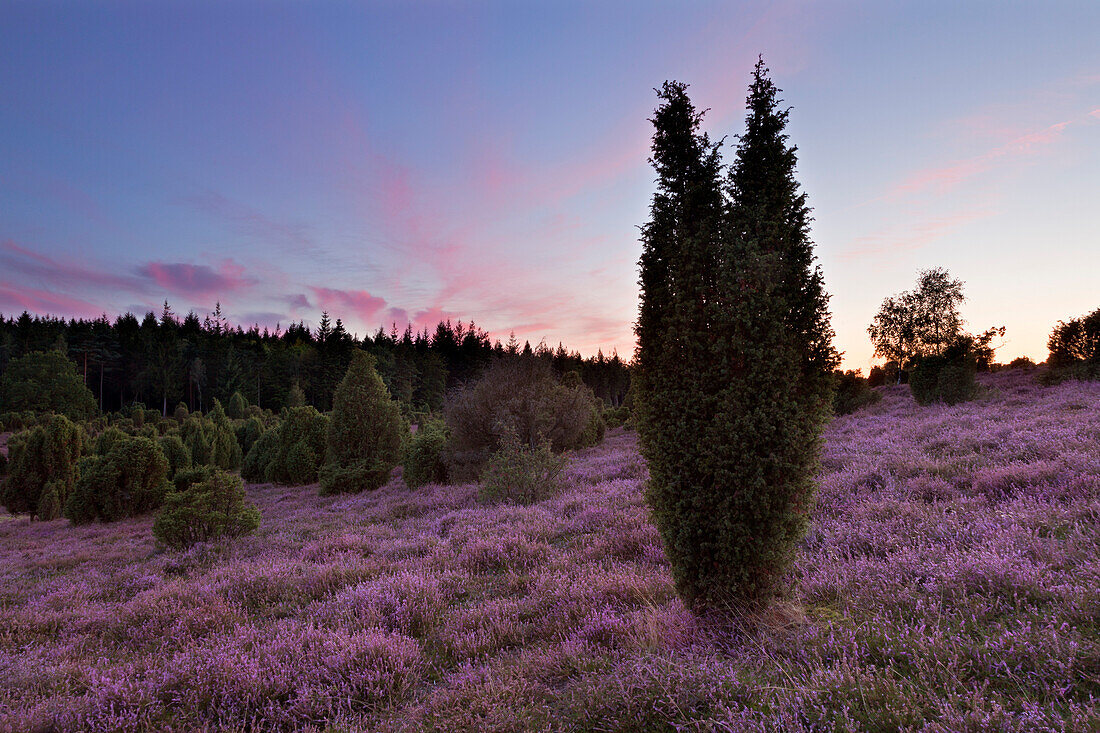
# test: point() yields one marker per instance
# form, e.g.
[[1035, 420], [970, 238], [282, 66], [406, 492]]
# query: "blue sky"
[[417, 161]]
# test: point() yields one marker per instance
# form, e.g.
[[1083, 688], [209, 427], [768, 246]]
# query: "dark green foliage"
[[519, 473], [181, 413], [296, 397], [212, 508], [195, 433], [521, 395], [733, 378], [946, 377], [16, 421], [1075, 349], [3, 467], [259, 456], [43, 468], [179, 458], [130, 480], [365, 433], [248, 432], [852, 392], [424, 455], [238, 407], [187, 476], [594, 429], [616, 417], [225, 453], [45, 381], [291, 452], [1021, 362], [108, 439]]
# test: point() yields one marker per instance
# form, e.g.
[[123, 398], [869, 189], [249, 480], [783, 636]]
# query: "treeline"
[[162, 361]]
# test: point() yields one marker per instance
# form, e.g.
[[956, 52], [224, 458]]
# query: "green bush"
[[43, 468], [16, 421], [225, 452], [179, 458], [947, 378], [3, 467], [248, 432], [181, 413], [616, 417], [365, 434], [519, 395], [238, 407], [214, 507], [187, 476], [852, 392], [46, 381], [424, 455], [518, 473], [594, 430], [195, 433], [130, 480], [259, 456], [108, 439], [291, 452]]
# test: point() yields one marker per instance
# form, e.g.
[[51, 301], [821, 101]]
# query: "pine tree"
[[365, 433]]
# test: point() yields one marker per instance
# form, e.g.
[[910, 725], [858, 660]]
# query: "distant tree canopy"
[[1076, 341], [920, 322], [165, 360], [45, 381], [733, 373]]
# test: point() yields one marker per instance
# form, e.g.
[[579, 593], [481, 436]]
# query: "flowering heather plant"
[[949, 581]]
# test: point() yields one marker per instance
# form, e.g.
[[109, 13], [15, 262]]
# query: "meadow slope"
[[950, 582]]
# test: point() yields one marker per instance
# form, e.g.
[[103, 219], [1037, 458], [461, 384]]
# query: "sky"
[[408, 162]]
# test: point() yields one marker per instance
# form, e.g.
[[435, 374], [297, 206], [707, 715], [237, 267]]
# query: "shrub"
[[46, 381], [519, 473], [211, 508], [295, 398], [852, 392], [187, 476], [179, 458], [594, 430], [181, 413], [616, 417], [424, 455], [130, 480], [1021, 362], [523, 396], [248, 432], [225, 452], [947, 377], [3, 467], [238, 407], [43, 468], [16, 421], [195, 435], [1075, 349], [365, 433], [108, 439], [289, 453]]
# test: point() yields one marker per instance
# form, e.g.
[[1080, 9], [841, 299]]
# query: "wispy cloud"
[[358, 303], [203, 281]]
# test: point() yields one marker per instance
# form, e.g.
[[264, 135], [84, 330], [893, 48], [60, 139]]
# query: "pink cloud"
[[54, 272], [197, 280], [44, 302], [358, 303]]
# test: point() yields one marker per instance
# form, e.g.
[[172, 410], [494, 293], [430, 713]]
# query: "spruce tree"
[[365, 433]]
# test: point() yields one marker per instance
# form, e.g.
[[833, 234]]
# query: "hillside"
[[951, 581]]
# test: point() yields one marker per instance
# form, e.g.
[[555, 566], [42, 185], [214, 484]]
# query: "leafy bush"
[[1075, 349], [291, 452], [424, 455], [225, 452], [195, 435], [1021, 362], [365, 433], [16, 421], [248, 432], [852, 392], [616, 417], [520, 473], [187, 476], [130, 480], [43, 468], [238, 407], [181, 413], [519, 395], [179, 458], [948, 377], [211, 508], [108, 439], [46, 381]]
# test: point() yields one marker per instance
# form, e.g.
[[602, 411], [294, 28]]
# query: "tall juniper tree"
[[734, 354]]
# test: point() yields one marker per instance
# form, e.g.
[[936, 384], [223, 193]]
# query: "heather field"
[[949, 582]]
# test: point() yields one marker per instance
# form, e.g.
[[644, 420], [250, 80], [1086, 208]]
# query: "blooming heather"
[[949, 581]]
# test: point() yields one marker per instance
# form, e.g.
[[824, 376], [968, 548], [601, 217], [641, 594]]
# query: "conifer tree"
[[734, 355], [365, 433]]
